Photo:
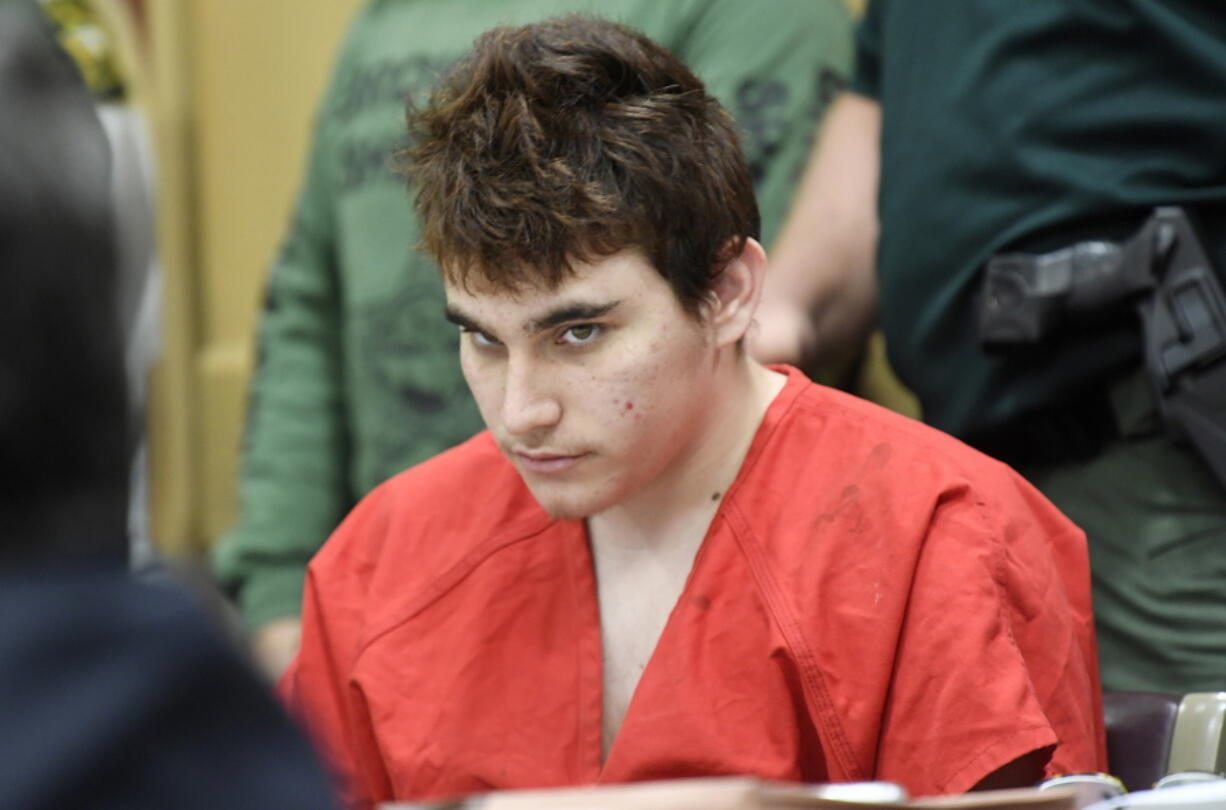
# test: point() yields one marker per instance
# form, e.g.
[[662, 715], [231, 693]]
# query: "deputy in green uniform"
[[982, 127]]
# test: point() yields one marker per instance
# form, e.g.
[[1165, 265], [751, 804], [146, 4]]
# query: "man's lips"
[[546, 462]]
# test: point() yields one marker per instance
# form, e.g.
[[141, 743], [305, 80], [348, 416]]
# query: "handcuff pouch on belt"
[[1164, 270]]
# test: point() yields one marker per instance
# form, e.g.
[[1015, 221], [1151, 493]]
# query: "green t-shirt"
[[1024, 125], [358, 374]]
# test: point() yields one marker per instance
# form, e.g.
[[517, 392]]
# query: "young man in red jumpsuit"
[[663, 559]]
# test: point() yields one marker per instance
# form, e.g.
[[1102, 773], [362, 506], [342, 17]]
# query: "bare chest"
[[634, 609]]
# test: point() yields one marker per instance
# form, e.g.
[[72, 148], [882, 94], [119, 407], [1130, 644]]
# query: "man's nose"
[[530, 402]]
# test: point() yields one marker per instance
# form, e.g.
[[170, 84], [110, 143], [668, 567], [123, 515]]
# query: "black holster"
[[1165, 271]]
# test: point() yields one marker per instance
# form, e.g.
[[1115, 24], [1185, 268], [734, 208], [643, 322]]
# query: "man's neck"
[[644, 548], [689, 494]]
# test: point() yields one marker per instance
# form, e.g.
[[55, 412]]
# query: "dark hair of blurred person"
[[117, 693], [63, 438]]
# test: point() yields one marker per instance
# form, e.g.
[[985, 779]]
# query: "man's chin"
[[561, 506], [566, 511]]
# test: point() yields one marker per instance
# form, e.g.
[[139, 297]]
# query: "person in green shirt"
[[356, 376], [986, 127]]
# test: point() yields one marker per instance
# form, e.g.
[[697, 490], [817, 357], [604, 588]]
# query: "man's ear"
[[735, 294]]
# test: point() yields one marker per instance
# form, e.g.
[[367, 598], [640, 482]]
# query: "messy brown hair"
[[570, 140]]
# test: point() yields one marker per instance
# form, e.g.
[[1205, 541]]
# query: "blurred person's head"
[[63, 442]]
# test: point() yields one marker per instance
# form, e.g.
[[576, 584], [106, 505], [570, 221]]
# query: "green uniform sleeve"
[[292, 486], [775, 67]]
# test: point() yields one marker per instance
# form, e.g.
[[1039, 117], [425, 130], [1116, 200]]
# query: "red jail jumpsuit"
[[873, 600]]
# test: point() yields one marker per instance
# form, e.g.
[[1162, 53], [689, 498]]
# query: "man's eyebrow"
[[572, 312], [566, 313], [461, 320]]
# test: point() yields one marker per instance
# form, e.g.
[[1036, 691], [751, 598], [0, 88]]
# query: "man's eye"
[[480, 338], [581, 334]]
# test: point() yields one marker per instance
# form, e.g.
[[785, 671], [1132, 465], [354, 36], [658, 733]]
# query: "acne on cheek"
[[624, 407]]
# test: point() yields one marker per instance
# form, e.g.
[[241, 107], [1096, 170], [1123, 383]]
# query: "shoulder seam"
[[937, 444]]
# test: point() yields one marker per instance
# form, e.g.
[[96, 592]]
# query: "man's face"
[[596, 391]]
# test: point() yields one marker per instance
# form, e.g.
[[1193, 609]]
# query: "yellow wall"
[[237, 83]]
